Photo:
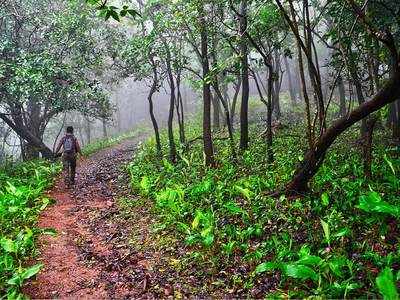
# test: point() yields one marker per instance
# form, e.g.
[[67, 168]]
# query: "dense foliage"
[[51, 62], [21, 201], [301, 204], [338, 241]]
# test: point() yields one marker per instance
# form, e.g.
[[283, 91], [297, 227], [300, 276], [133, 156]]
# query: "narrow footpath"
[[91, 256], [109, 244]]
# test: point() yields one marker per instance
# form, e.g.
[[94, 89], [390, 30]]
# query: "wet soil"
[[92, 255], [111, 245]]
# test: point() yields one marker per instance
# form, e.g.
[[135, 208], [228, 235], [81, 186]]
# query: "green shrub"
[[317, 244], [21, 201]]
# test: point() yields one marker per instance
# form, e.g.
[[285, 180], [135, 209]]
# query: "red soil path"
[[80, 261]]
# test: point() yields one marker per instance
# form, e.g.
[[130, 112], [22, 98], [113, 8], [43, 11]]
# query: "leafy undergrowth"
[[340, 240], [21, 201]]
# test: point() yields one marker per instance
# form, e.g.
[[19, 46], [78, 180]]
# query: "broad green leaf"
[[304, 250], [145, 185], [386, 285], [372, 202], [300, 272], [343, 232], [31, 271], [310, 260], [205, 232], [266, 266]]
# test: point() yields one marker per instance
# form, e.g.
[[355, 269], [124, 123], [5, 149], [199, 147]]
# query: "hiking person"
[[71, 148]]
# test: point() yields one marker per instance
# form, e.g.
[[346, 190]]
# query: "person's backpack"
[[69, 144]]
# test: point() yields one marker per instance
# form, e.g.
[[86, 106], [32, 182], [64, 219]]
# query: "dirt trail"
[[91, 256]]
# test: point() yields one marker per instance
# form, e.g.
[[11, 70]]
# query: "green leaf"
[[343, 232], [28, 273], [390, 164], [372, 202], [337, 264], [266, 266], [208, 240], [325, 199], [196, 220], [232, 207], [191, 239], [133, 12], [114, 15], [300, 272], [310, 260], [8, 245], [386, 285], [325, 227], [244, 192], [145, 185], [49, 231]]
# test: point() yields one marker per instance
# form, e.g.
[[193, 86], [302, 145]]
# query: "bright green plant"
[[224, 214], [386, 284], [373, 203], [21, 201]]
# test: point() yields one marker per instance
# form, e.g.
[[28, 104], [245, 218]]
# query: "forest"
[[223, 149]]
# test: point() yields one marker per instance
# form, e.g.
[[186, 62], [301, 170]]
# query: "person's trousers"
[[69, 167]]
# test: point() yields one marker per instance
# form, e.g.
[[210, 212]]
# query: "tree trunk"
[[270, 152], [32, 122], [171, 140], [277, 86], [292, 91], [88, 131], [268, 103], [359, 89], [234, 100], [26, 135], [396, 123], [315, 156], [216, 108], [207, 136], [367, 147], [342, 96], [244, 123], [152, 91], [297, 80], [182, 136], [228, 119], [104, 126]]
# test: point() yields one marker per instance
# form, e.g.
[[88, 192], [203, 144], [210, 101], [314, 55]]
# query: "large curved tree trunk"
[[314, 157], [29, 137]]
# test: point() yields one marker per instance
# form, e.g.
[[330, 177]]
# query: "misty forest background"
[[270, 130]]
